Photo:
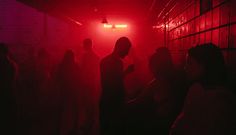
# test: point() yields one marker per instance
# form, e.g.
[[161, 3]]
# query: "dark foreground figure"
[[209, 107], [113, 91], [8, 114]]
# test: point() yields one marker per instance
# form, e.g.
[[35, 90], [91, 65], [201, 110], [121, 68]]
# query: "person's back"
[[89, 65], [158, 102], [68, 80], [112, 80], [113, 91]]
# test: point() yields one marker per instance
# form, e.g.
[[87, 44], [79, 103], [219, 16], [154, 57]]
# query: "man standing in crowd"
[[113, 90]]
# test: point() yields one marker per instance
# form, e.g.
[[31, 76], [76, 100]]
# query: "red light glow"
[[120, 26], [107, 26], [107, 33], [115, 26]]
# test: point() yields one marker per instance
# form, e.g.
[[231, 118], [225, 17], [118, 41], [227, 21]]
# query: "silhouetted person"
[[42, 72], [43, 65], [167, 93], [27, 96], [113, 90], [209, 106], [89, 64], [90, 67], [42, 78], [157, 104], [68, 79], [8, 71]]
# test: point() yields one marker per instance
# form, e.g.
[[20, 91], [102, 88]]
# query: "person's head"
[[205, 64], [69, 57], [122, 47], [87, 44], [3, 50], [160, 63]]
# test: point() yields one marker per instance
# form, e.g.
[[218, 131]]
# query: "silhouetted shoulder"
[[111, 61]]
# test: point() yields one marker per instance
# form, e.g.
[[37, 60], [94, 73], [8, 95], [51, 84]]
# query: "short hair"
[[161, 63], [122, 43], [211, 58]]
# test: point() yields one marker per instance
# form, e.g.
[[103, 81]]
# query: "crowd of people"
[[88, 97]]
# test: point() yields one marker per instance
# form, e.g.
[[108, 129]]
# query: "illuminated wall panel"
[[233, 11], [197, 7], [202, 38], [223, 37], [215, 36], [208, 37], [232, 43], [189, 26], [224, 14], [216, 16], [197, 25], [202, 22], [209, 20]]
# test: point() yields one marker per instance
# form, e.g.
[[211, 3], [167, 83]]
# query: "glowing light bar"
[[115, 26], [74, 21], [107, 25], [120, 26]]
